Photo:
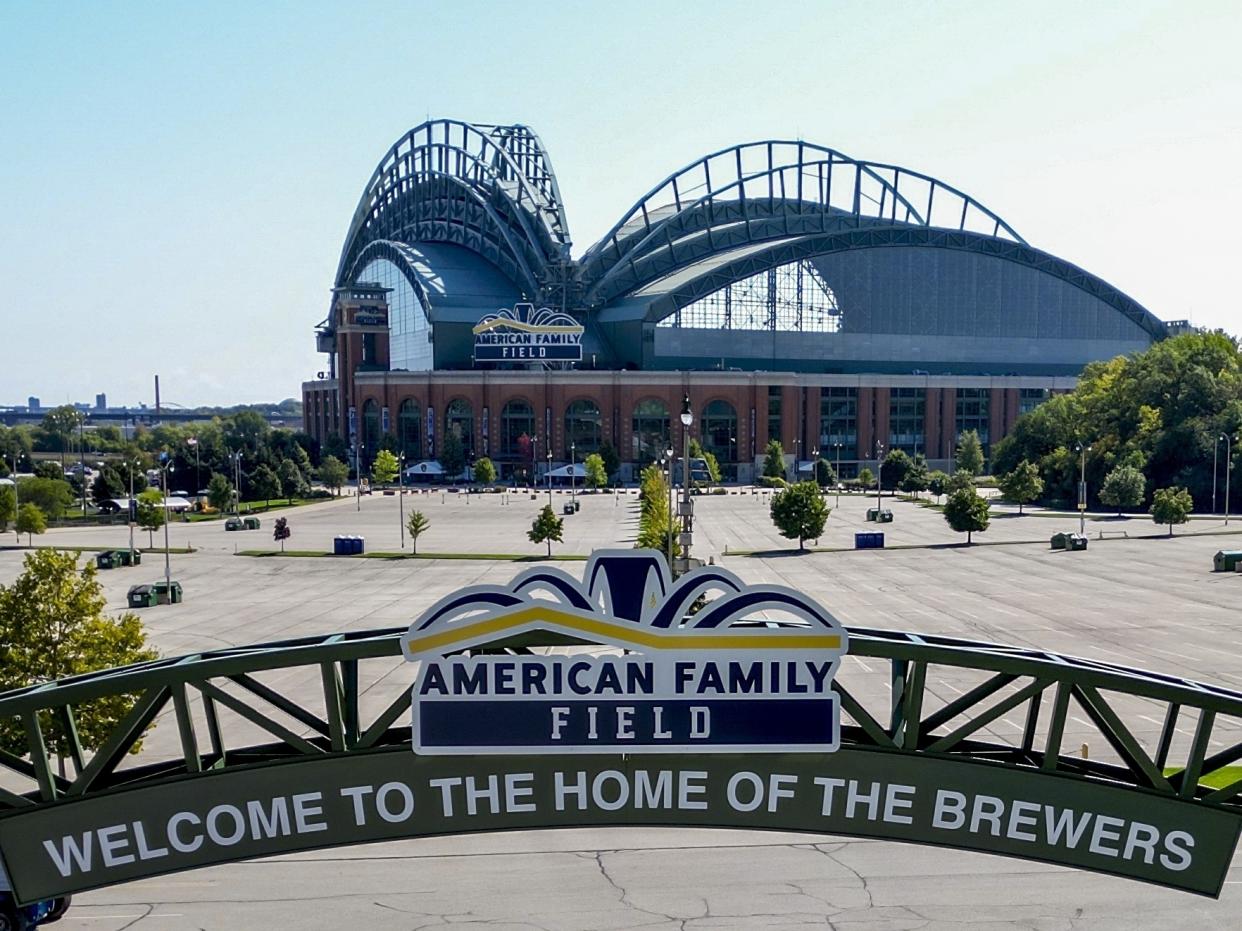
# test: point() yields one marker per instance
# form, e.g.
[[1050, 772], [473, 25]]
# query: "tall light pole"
[[797, 457], [357, 476], [236, 457], [1228, 466], [549, 474], [815, 465], [879, 471], [168, 467], [668, 458], [129, 510], [1082, 488], [198, 479], [573, 450], [534, 461], [687, 507], [17, 502], [1215, 469], [82, 458], [837, 448], [401, 496]]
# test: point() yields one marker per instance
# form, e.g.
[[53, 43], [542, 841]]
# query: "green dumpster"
[[873, 513], [169, 593], [1076, 541], [142, 596], [884, 517], [129, 557], [252, 523], [233, 523], [1060, 541], [1226, 560], [108, 559]]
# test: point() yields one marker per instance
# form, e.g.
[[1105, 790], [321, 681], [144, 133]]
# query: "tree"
[[713, 465], [774, 459], [655, 523], [107, 486], [596, 475], [385, 467], [546, 528], [281, 531], [1022, 485], [960, 481], [825, 475], [8, 506], [897, 465], [219, 492], [1123, 487], [150, 513], [52, 626], [333, 473], [967, 512], [612, 461], [917, 478], [59, 424], [30, 521], [484, 471], [292, 479], [452, 455], [49, 470], [799, 512], [866, 478], [266, 484], [937, 483], [417, 525], [334, 447], [1171, 506], [53, 496], [969, 457]]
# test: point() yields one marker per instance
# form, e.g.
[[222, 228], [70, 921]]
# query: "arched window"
[[517, 419], [719, 431], [459, 420], [650, 430], [583, 428], [410, 430], [370, 431]]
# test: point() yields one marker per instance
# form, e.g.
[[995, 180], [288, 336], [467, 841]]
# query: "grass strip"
[[496, 557]]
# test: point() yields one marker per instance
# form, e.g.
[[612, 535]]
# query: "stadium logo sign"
[[527, 334], [749, 671]]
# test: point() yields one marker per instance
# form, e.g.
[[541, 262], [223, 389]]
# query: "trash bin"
[[872, 513], [129, 557], [567, 508], [142, 596], [1060, 541], [106, 560], [251, 523], [233, 523], [884, 517], [1226, 560], [1077, 541], [577, 505], [167, 594]]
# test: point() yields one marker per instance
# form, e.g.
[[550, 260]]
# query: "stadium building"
[[790, 291]]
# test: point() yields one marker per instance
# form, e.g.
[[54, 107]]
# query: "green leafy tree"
[[713, 465], [825, 475], [281, 531], [52, 496], [452, 455], [219, 492], [107, 486], [799, 512], [49, 470], [897, 465], [8, 506], [333, 473], [547, 527], [1124, 487], [52, 625], [655, 523], [612, 461], [293, 481], [774, 459], [967, 512], [417, 525], [385, 467], [866, 478], [596, 474], [937, 483], [1022, 485], [266, 484], [335, 446], [59, 425], [960, 481], [1171, 506], [484, 471], [969, 456], [150, 513], [30, 520], [917, 478]]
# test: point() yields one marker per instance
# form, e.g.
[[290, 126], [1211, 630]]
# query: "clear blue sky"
[[177, 178]]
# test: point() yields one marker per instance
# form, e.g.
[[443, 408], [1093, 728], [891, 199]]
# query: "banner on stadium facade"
[[524, 334]]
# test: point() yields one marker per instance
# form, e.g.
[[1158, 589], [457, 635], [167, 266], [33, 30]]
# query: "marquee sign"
[[525, 334], [687, 682]]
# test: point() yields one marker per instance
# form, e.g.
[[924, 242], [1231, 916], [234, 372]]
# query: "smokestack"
[[157, 399]]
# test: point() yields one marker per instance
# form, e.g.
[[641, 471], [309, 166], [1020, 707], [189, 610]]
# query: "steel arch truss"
[[763, 191], [849, 236], [226, 716], [489, 188]]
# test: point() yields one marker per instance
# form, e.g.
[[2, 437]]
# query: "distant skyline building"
[[791, 292], [33, 403], [101, 402]]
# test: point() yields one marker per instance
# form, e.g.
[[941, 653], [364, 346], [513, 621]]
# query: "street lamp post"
[[401, 496], [357, 476], [668, 458], [797, 457], [879, 471], [534, 460], [168, 467], [815, 465], [573, 452], [198, 478], [17, 502], [82, 458], [1228, 467], [129, 510], [687, 507], [837, 448], [549, 475], [1215, 469], [237, 483], [1082, 488]]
